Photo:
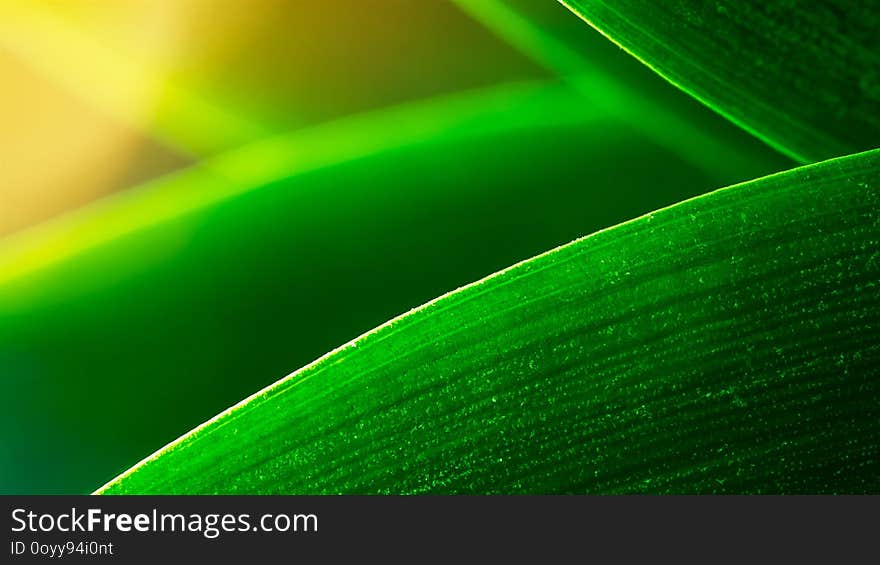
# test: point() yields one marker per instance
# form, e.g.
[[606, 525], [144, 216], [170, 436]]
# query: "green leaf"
[[618, 86], [803, 77], [725, 344]]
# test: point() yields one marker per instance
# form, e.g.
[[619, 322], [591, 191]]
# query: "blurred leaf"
[[40, 175], [255, 165], [210, 75], [125, 324], [189, 122], [804, 77], [726, 344]]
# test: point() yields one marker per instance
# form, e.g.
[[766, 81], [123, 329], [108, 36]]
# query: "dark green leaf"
[[803, 76]]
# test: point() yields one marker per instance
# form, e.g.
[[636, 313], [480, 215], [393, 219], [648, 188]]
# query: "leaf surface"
[[725, 344], [805, 77]]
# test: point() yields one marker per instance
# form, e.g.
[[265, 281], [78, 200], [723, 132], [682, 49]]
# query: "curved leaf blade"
[[725, 344], [674, 121], [804, 78]]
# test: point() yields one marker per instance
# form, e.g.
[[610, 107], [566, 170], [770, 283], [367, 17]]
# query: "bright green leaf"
[[725, 344]]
